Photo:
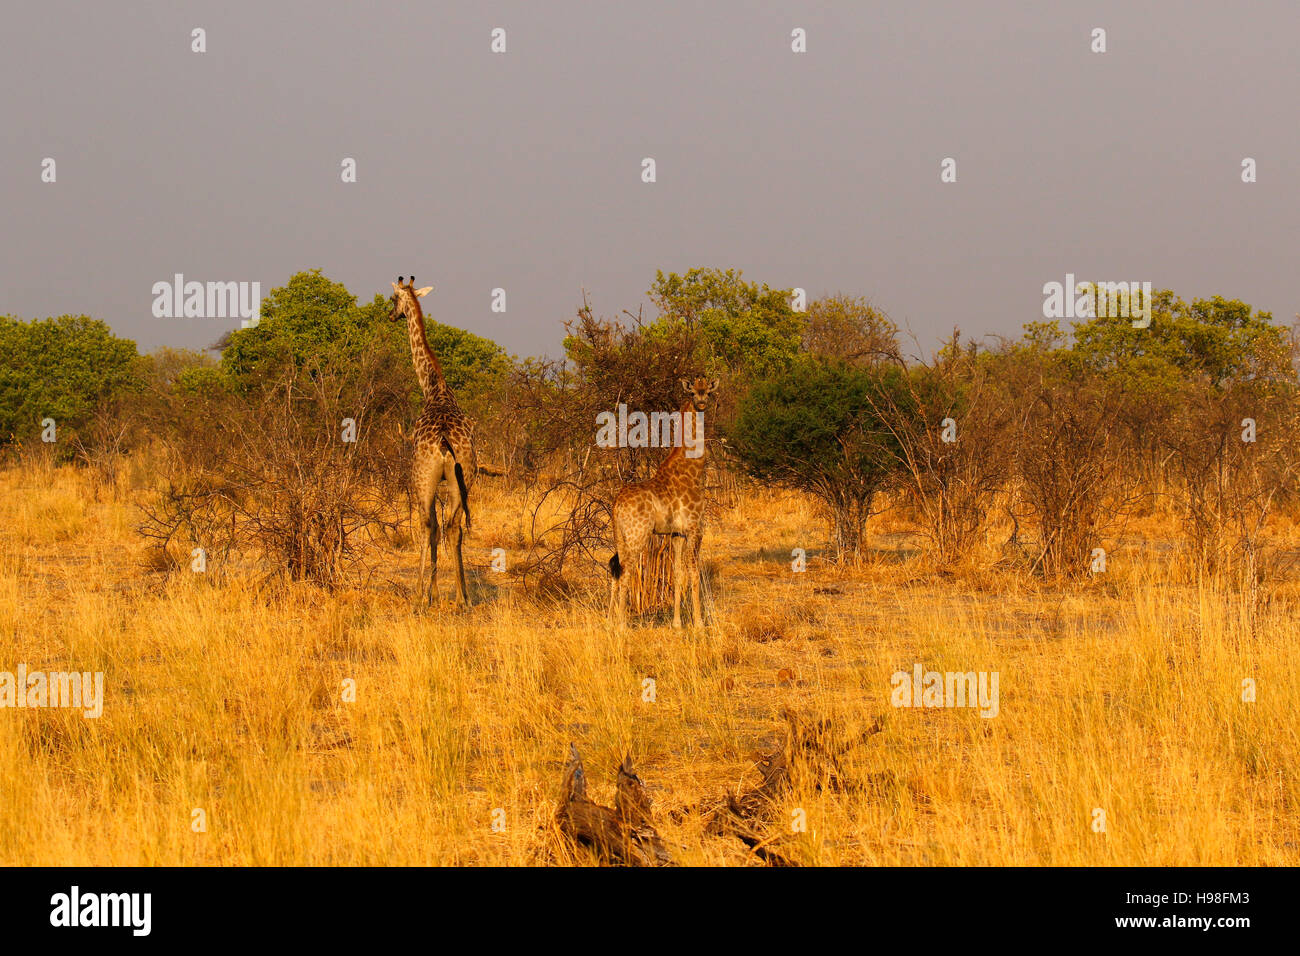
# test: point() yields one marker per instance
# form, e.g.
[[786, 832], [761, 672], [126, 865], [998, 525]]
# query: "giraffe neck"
[[678, 460], [432, 382]]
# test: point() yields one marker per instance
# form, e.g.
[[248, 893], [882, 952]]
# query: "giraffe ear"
[[713, 386], [395, 286], [421, 293], [686, 386]]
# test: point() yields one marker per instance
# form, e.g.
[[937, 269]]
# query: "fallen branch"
[[622, 836], [809, 746]]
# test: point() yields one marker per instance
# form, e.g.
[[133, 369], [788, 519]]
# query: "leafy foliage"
[[313, 318], [745, 329], [61, 368], [1216, 340], [816, 428], [849, 329]]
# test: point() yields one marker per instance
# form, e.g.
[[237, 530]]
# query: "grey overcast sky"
[[522, 170]]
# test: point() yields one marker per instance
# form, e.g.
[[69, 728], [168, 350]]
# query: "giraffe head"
[[700, 389], [405, 300]]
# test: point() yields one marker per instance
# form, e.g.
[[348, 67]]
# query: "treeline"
[[293, 443]]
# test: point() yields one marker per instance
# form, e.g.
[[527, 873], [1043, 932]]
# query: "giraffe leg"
[[628, 565], [614, 563], [693, 576], [457, 536], [618, 568], [679, 574], [678, 571], [426, 534], [635, 540], [420, 533], [456, 518], [433, 550], [629, 568]]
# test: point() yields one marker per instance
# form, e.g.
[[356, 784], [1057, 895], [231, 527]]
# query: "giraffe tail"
[[615, 566], [460, 482], [464, 494]]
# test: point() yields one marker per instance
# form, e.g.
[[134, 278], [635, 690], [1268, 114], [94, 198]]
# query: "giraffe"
[[444, 447], [672, 503]]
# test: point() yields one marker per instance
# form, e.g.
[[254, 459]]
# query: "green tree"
[[849, 329], [313, 317], [1213, 346], [472, 364], [308, 316], [1215, 340], [743, 328], [61, 368], [164, 367], [815, 428]]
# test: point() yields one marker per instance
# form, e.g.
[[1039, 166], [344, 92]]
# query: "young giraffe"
[[672, 503], [444, 447]]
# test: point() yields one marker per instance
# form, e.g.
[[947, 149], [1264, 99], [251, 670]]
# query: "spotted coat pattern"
[[443, 442], [672, 503]]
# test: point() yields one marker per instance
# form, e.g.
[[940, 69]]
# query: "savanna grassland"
[[225, 693]]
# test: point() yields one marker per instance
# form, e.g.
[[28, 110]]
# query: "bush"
[[65, 369], [818, 429], [740, 330], [268, 473], [952, 427], [1068, 456]]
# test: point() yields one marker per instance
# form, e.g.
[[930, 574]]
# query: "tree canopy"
[[314, 317], [743, 328], [60, 368], [1218, 340], [816, 428]]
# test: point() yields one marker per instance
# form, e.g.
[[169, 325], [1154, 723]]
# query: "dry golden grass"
[[1124, 694]]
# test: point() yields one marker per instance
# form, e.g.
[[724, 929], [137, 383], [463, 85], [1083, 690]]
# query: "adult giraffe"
[[672, 503], [444, 447]]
